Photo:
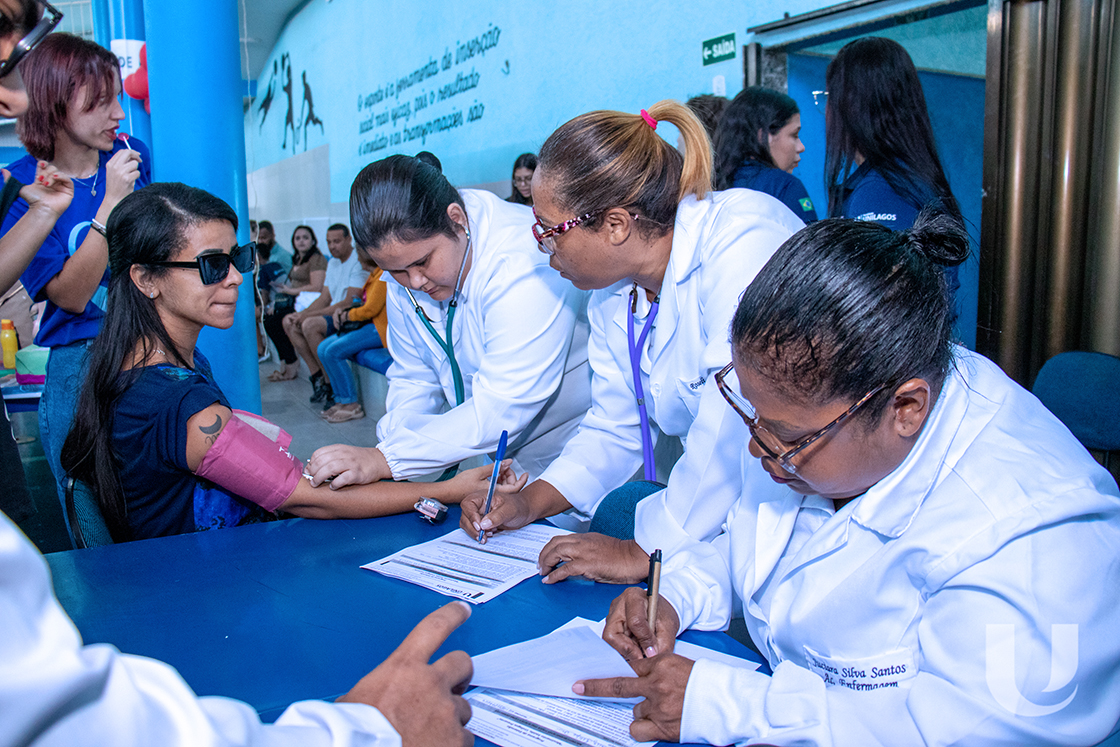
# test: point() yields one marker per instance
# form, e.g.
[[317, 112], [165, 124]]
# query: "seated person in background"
[[154, 436], [266, 240], [264, 274], [309, 269], [359, 328], [342, 286], [923, 552], [758, 145], [522, 184]]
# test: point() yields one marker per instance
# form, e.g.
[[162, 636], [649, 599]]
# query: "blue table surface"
[[279, 612]]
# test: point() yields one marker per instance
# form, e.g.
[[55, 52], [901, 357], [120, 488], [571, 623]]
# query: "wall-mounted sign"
[[719, 49]]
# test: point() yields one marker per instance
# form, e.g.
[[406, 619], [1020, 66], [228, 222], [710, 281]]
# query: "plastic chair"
[[1082, 390], [87, 525]]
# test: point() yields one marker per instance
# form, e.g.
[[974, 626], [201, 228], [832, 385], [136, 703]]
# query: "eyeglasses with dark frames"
[[775, 448], [213, 268], [46, 24]]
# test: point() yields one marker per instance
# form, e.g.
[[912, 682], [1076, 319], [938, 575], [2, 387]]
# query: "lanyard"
[[447, 344], [635, 365]]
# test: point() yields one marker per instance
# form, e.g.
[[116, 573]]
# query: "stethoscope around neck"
[[447, 344]]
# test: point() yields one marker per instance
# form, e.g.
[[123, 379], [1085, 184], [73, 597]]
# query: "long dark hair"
[[744, 130], [297, 259], [845, 305], [401, 198], [147, 226], [524, 161], [876, 108]]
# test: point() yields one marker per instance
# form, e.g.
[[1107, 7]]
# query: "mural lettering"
[[424, 101]]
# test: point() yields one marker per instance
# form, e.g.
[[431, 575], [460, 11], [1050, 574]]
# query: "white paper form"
[[513, 720], [458, 566], [550, 665]]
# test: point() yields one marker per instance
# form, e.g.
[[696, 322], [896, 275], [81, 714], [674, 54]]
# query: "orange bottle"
[[9, 342]]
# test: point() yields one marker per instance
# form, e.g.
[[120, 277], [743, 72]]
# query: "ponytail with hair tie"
[[609, 159]]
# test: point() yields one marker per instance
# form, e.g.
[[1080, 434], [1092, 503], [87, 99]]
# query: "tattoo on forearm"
[[212, 431]]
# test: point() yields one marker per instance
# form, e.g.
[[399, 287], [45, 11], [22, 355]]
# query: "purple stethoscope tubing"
[[635, 365]]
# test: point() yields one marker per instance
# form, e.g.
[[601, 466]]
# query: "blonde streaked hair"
[[606, 159]]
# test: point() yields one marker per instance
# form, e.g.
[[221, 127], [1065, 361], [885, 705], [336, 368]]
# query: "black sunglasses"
[[46, 24], [213, 268]]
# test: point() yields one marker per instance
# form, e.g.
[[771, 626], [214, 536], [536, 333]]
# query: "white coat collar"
[[890, 506], [684, 259]]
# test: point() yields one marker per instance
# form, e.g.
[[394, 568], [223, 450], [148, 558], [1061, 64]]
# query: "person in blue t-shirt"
[[758, 144], [881, 161], [71, 122]]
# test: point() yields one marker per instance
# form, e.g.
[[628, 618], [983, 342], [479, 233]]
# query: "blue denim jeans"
[[66, 373], [335, 352]]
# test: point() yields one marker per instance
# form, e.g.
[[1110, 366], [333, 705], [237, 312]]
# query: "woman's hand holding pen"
[[507, 511], [593, 556], [627, 627]]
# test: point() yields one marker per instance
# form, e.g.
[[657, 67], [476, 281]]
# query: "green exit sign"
[[719, 49]]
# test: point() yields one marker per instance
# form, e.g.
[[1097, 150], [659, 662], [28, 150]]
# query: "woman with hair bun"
[[758, 145], [922, 551], [622, 213], [484, 336]]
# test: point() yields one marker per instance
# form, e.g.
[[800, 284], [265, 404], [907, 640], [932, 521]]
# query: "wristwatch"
[[99, 227]]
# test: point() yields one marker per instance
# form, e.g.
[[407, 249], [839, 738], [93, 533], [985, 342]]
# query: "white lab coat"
[[520, 337], [921, 612], [55, 691], [719, 245]]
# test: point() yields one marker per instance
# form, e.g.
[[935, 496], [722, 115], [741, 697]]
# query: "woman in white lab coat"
[[484, 336], [622, 213], [923, 553]]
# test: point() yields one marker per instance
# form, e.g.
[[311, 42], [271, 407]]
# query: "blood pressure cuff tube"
[[247, 462]]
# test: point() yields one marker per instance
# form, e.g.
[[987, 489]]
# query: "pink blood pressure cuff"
[[250, 458]]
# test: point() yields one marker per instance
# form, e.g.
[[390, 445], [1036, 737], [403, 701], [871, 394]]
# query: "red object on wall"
[[136, 85]]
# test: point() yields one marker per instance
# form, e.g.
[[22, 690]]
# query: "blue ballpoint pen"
[[498, 457]]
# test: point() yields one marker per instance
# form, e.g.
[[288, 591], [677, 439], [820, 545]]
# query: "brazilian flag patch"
[[806, 204]]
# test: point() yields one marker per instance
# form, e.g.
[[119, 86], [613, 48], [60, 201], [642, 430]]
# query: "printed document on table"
[[513, 720], [506, 712], [458, 566], [551, 664]]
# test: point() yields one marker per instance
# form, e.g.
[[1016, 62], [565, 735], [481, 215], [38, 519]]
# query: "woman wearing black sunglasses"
[[151, 419]]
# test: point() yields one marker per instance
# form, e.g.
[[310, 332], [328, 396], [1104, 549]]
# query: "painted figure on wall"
[[289, 119], [266, 102], [309, 104]]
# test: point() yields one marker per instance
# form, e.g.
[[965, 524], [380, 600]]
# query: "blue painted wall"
[[479, 83]]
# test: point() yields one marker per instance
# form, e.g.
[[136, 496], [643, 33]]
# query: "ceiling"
[[261, 23]]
